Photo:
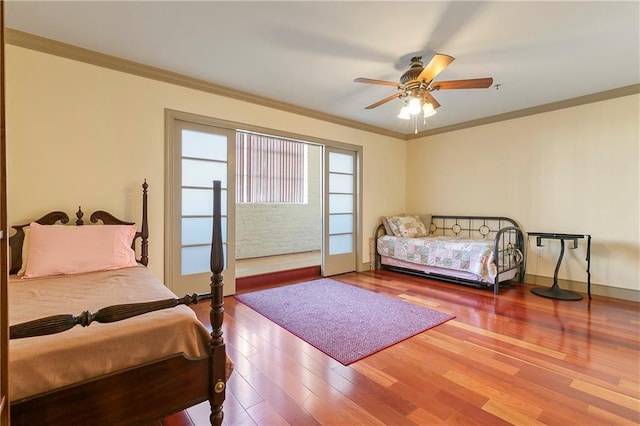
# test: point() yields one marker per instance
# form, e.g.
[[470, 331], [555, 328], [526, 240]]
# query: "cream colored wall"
[[572, 171], [81, 134]]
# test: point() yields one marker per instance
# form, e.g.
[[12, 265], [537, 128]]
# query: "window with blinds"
[[270, 169]]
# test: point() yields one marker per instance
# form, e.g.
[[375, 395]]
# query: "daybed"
[[144, 356], [473, 250]]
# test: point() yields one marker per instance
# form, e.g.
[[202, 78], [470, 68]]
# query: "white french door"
[[339, 248], [198, 155]]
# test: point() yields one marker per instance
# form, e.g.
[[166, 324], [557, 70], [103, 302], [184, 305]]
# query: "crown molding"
[[45, 45], [567, 103]]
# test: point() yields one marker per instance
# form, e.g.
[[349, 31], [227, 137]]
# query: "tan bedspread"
[[38, 364]]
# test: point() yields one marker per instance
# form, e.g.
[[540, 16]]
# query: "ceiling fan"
[[416, 85]]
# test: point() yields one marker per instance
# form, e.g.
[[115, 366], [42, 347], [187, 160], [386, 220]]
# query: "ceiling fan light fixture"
[[404, 113], [428, 110], [415, 106]]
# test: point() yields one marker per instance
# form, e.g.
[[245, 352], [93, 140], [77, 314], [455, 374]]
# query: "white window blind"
[[270, 169]]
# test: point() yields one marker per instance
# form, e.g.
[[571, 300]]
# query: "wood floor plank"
[[424, 396], [285, 379], [606, 394], [386, 406], [245, 393], [375, 374], [264, 414], [335, 412], [608, 418], [509, 413], [466, 411], [510, 340], [279, 401], [632, 385], [420, 416]]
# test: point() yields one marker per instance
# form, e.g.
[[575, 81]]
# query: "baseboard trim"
[[581, 287], [270, 279]]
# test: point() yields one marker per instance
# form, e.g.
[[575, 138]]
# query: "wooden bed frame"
[[147, 392], [505, 233]]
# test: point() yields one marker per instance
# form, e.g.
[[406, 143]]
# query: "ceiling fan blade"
[[428, 97], [435, 67], [474, 83], [372, 81], [385, 100]]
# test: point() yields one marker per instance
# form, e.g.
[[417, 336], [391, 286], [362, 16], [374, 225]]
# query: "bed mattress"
[[468, 258], [39, 364]]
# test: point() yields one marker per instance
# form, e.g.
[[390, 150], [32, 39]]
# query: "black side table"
[[555, 292]]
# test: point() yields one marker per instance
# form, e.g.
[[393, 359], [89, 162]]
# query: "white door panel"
[[199, 154], [340, 208]]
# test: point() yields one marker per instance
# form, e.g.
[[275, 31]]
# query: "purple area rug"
[[345, 322]]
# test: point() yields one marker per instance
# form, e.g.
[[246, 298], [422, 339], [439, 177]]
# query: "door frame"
[[172, 115]]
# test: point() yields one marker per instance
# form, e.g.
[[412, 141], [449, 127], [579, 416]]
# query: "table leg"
[[589, 265], [555, 292]]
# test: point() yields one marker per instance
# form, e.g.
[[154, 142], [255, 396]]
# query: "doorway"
[[280, 231]]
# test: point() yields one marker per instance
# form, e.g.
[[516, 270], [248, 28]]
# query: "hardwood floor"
[[512, 359]]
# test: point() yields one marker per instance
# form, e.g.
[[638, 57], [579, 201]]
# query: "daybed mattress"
[[43, 363], [459, 257]]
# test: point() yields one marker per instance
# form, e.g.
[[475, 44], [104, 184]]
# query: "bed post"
[[144, 230], [218, 351]]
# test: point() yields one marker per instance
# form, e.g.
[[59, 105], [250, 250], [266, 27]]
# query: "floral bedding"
[[461, 254]]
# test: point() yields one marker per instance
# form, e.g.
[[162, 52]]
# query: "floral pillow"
[[407, 226]]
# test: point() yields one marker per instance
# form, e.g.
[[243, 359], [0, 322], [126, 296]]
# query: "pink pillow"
[[59, 250]]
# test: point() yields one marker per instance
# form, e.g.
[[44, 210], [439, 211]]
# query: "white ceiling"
[[308, 53]]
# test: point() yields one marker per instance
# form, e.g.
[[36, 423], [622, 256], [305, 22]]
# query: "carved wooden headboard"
[[16, 241]]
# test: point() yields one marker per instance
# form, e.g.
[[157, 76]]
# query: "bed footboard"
[[505, 233], [102, 401]]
